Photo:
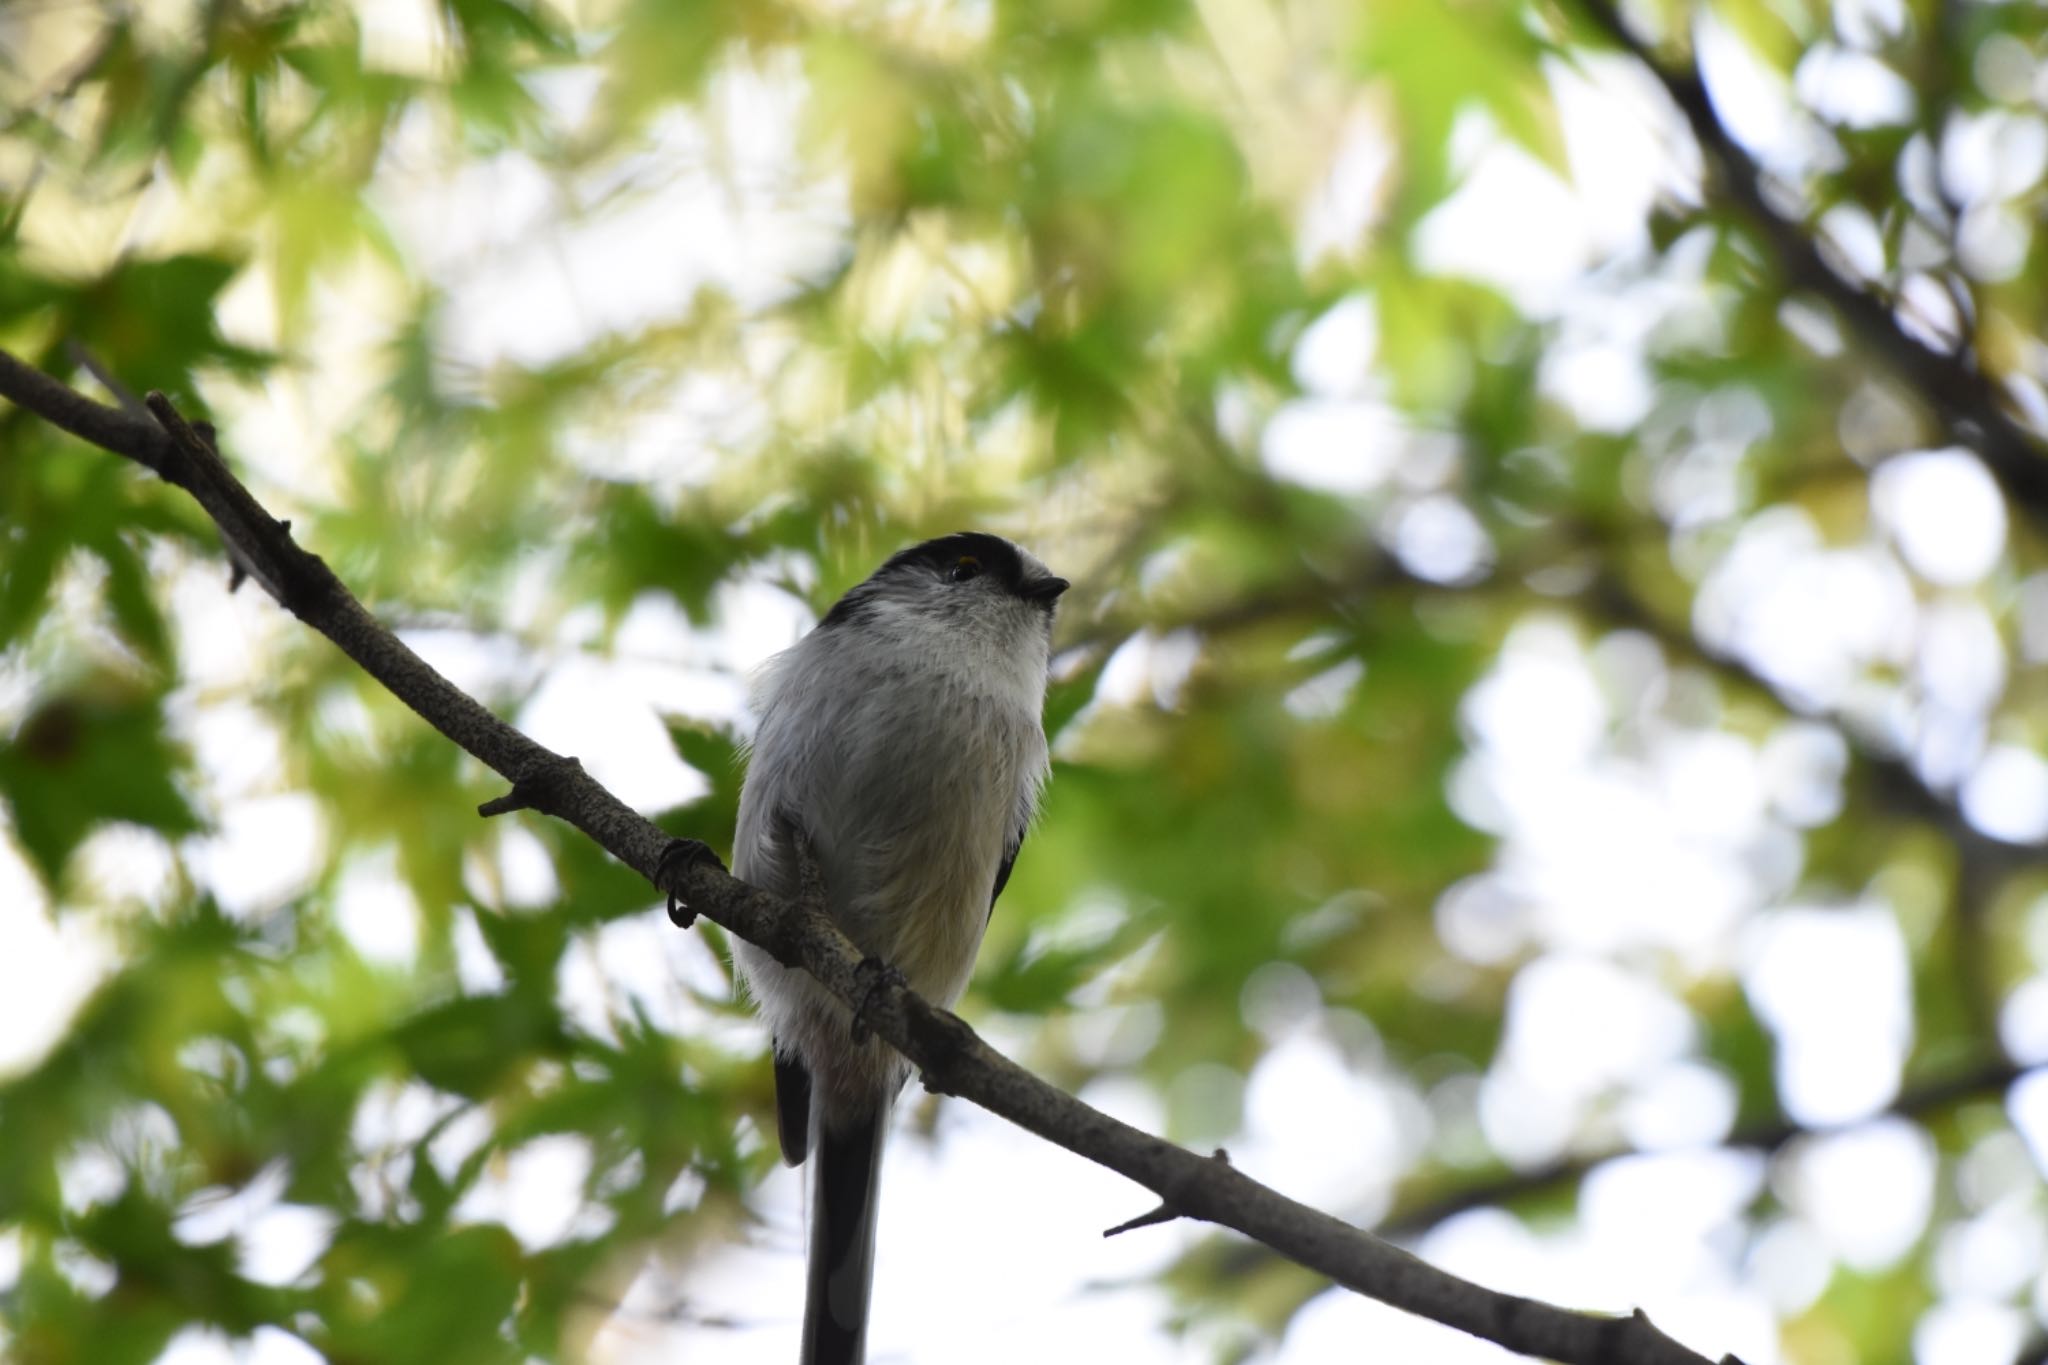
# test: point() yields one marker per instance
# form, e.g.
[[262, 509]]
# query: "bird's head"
[[979, 584]]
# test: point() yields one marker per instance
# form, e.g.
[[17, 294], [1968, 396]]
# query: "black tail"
[[846, 1165]]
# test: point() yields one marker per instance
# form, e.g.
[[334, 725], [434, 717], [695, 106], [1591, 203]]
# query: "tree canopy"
[[1548, 752]]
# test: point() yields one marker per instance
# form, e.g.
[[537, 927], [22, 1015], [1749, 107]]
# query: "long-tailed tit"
[[904, 737]]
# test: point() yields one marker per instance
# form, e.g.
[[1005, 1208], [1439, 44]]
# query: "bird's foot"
[[874, 973], [680, 855]]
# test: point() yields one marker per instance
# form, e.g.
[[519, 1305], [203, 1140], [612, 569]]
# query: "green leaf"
[[1442, 60], [155, 323], [93, 754], [474, 1045]]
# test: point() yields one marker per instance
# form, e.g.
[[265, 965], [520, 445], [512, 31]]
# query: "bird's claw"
[[679, 855], [876, 973]]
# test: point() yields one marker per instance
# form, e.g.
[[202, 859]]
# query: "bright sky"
[[1623, 831]]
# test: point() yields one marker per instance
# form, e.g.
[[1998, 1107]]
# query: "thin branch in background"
[[10, 218], [1968, 404], [136, 437], [797, 935], [1418, 1215], [81, 355], [1768, 1137], [1979, 856], [1939, 96], [1609, 599], [1894, 778]]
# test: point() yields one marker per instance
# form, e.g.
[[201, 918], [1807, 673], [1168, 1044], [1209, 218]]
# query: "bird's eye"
[[966, 567]]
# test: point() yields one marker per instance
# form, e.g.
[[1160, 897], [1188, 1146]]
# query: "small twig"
[[194, 464], [530, 791], [1167, 1212], [1162, 1214], [82, 356], [506, 804], [138, 438]]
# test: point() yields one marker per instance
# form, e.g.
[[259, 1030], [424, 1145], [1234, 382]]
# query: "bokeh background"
[[1549, 728]]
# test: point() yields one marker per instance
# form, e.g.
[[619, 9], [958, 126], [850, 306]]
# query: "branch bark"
[[1966, 401], [953, 1057]]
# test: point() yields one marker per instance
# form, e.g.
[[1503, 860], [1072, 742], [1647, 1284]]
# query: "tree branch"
[[1419, 1215], [946, 1049], [1375, 572], [1894, 781], [1967, 403], [140, 439], [1768, 1136]]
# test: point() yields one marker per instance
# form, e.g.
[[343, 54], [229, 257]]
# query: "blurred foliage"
[[1072, 271]]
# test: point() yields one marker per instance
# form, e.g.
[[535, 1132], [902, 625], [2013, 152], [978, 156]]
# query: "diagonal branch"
[[1893, 779], [953, 1057], [1967, 403]]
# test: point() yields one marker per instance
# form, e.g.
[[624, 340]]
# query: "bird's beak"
[[1044, 591]]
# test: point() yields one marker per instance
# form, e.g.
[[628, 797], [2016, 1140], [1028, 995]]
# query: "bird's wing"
[[1010, 851], [792, 1107]]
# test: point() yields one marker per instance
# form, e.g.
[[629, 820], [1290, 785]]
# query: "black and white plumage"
[[905, 736]]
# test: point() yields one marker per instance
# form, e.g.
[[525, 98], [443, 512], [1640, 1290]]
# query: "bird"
[[903, 738]]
